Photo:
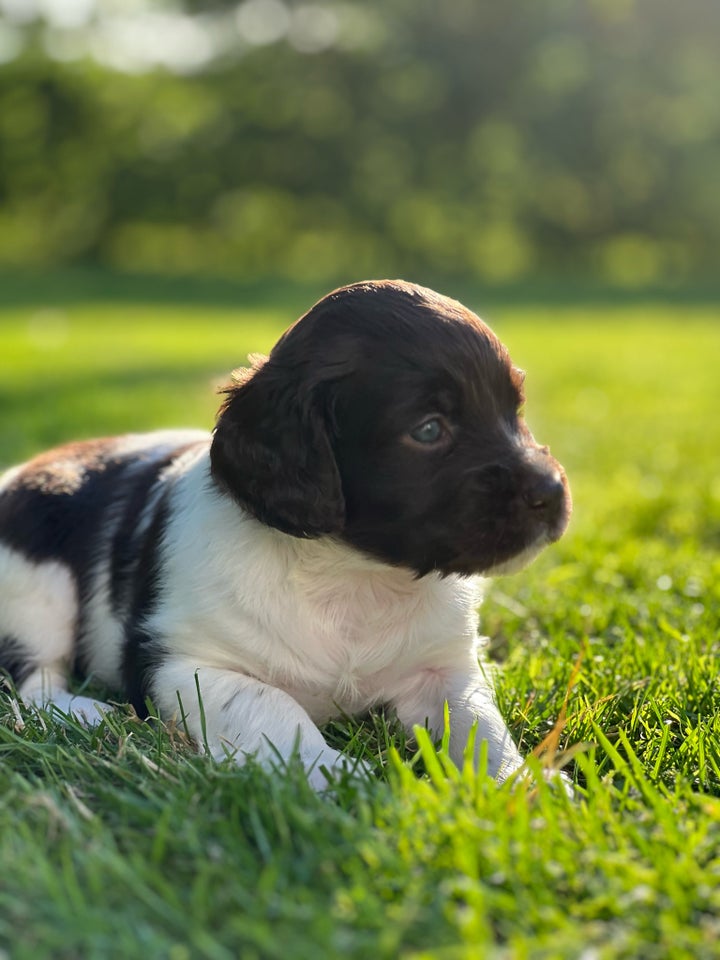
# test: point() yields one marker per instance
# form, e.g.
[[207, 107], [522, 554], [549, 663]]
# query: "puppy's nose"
[[544, 492]]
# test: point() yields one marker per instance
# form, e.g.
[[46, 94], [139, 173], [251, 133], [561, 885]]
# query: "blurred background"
[[564, 142]]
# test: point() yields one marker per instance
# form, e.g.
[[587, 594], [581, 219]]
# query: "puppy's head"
[[391, 418]]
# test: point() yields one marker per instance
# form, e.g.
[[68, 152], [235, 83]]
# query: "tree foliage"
[[460, 139]]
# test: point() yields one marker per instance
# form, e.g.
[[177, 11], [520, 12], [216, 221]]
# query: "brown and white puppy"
[[316, 555]]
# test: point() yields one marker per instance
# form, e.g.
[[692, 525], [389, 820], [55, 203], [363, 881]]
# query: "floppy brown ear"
[[271, 451]]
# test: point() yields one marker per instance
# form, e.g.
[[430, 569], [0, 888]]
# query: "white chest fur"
[[313, 617]]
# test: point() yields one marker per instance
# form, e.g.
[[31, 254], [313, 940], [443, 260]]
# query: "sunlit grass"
[[122, 840]]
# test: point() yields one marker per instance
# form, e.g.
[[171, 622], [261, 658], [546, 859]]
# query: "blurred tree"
[[334, 139]]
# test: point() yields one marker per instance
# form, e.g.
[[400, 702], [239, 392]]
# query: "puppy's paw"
[[85, 710], [559, 782], [65, 706]]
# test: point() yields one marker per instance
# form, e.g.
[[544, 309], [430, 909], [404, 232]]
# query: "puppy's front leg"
[[229, 713], [470, 701]]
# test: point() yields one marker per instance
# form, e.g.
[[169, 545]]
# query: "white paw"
[[559, 779], [85, 710]]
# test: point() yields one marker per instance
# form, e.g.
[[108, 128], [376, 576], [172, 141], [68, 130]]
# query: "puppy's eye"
[[429, 431]]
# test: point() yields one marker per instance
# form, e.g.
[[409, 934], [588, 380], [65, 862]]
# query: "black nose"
[[544, 492]]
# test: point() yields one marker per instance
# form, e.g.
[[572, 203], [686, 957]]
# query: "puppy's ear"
[[271, 451]]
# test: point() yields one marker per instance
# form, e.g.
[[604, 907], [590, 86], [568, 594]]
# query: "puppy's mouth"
[[547, 514], [519, 561]]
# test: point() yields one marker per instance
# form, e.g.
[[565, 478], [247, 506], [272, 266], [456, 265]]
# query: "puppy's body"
[[313, 557]]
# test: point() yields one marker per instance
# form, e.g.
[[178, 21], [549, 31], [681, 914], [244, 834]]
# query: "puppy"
[[317, 554]]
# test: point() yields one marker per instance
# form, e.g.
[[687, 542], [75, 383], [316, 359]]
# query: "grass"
[[121, 842]]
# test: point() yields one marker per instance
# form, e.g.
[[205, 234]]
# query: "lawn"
[[120, 842]]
